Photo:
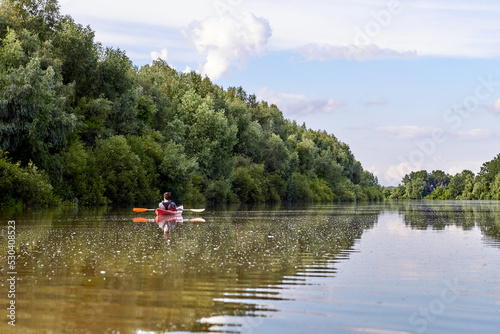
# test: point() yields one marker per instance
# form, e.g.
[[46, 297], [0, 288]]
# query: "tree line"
[[440, 185], [79, 123]]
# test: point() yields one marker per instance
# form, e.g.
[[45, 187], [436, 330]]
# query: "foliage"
[[24, 185], [462, 186], [35, 118], [123, 174], [80, 179], [101, 130]]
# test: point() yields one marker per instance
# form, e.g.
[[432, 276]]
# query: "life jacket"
[[169, 205]]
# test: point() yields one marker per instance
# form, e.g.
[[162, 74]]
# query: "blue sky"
[[409, 85]]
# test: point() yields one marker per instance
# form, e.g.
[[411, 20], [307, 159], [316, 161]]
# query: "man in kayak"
[[167, 203]]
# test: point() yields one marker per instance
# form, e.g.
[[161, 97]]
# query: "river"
[[386, 268]]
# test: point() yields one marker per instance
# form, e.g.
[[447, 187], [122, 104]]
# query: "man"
[[167, 203]]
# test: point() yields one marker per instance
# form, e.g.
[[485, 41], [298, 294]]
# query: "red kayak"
[[178, 212]]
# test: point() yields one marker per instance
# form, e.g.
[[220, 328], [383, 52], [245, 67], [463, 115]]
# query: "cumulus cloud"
[[328, 52], [395, 173], [409, 132], [163, 55], [495, 108], [228, 39], [296, 104]]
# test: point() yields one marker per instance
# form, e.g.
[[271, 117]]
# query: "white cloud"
[[277, 98], [455, 167], [475, 134], [409, 132], [495, 109], [395, 173], [329, 52], [296, 104], [229, 39], [163, 55], [433, 27]]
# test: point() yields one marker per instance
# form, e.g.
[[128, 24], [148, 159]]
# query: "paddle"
[[143, 210], [190, 210], [192, 220]]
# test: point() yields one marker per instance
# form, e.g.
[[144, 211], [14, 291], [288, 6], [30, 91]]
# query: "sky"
[[409, 85]]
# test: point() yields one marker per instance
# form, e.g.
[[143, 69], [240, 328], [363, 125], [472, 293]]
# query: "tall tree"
[[35, 116]]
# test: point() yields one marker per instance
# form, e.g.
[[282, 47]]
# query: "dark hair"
[[167, 195]]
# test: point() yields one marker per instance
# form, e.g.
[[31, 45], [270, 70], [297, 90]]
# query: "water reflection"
[[467, 215], [97, 271]]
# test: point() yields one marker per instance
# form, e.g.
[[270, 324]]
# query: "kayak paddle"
[[192, 220], [143, 210], [190, 210]]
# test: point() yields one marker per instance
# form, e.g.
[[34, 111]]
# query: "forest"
[[461, 186], [80, 124]]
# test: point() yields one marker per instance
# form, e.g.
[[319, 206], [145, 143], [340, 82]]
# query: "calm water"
[[407, 267]]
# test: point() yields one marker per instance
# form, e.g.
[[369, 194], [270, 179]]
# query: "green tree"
[[439, 193], [24, 185], [210, 137], [75, 49], [41, 16], [275, 187], [415, 188], [250, 140], [328, 168], [467, 193], [418, 184], [398, 192], [178, 173], [35, 118], [495, 188], [457, 184], [11, 52], [80, 181], [307, 151], [94, 117], [125, 180], [275, 155], [440, 179], [114, 73], [248, 183], [299, 188], [490, 169]]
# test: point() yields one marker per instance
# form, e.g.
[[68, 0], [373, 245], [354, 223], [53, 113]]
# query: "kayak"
[[178, 212]]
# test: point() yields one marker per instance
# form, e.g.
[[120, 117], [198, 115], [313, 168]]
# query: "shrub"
[[24, 185]]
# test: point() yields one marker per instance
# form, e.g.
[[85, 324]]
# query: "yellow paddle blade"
[[141, 220]]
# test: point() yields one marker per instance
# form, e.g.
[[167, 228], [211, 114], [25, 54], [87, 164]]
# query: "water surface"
[[407, 267]]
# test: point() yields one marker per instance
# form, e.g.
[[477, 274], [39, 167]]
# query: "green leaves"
[[34, 116], [11, 53], [24, 185], [124, 177], [462, 186], [101, 129]]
